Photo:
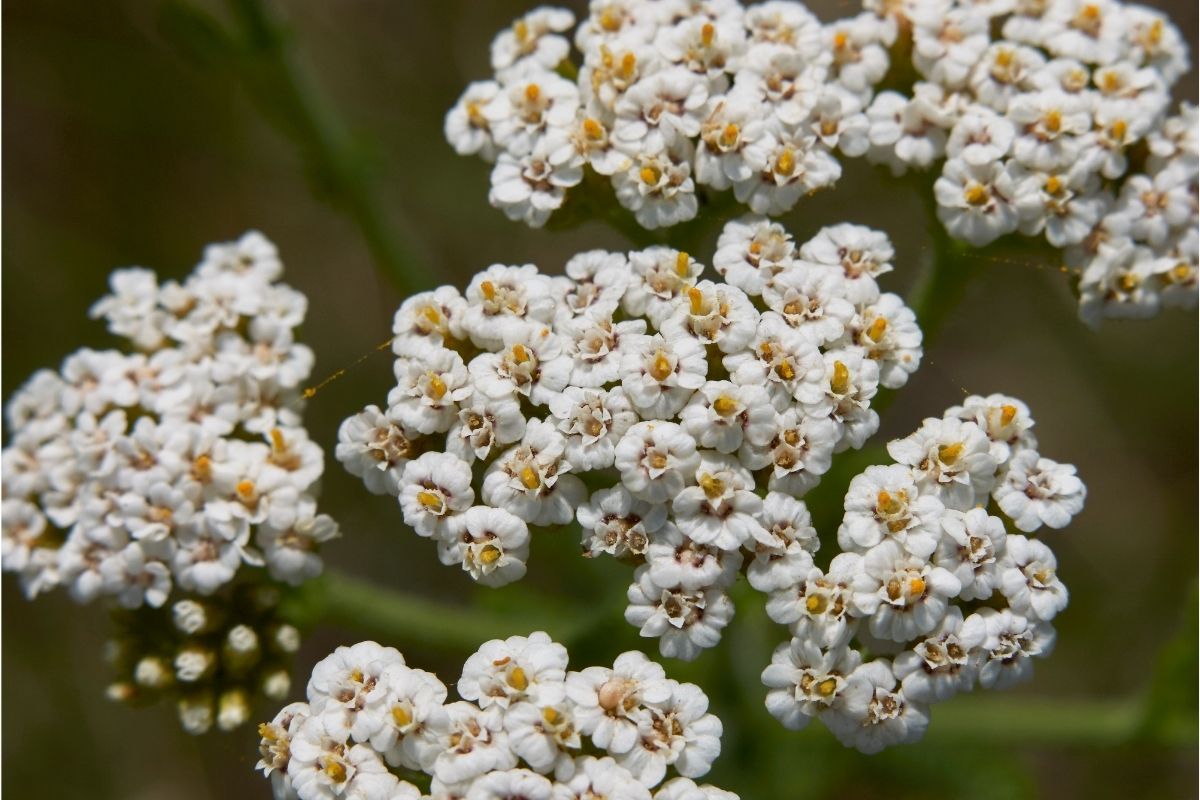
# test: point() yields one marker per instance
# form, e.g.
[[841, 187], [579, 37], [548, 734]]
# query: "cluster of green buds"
[[212, 656]]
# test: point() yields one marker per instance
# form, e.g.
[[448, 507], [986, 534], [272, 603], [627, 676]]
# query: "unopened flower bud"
[[196, 712], [233, 709], [153, 672], [193, 663]]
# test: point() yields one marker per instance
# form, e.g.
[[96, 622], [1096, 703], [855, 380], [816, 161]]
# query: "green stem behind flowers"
[[395, 616], [258, 50]]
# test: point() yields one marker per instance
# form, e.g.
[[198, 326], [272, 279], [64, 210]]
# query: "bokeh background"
[[123, 146]]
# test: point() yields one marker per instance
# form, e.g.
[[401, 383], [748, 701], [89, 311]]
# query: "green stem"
[[262, 55], [401, 618], [1033, 721]]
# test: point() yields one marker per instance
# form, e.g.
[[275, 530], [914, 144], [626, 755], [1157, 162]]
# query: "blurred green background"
[[123, 147]]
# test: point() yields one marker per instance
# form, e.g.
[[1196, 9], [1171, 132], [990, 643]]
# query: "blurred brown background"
[[120, 151]]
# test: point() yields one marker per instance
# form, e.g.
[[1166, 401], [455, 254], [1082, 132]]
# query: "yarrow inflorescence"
[[929, 581], [525, 728], [141, 475], [1047, 118], [675, 417]]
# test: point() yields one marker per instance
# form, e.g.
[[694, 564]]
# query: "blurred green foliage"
[[139, 131]]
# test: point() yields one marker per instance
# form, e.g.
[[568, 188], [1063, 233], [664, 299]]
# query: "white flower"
[[614, 522], [1120, 282], [530, 365], [786, 165], [593, 420], [598, 281], [504, 301], [1029, 581], [531, 480], [684, 622], [721, 415], [784, 360], [346, 685], [974, 546], [975, 203], [884, 504], [322, 766], [530, 187], [799, 451], [658, 187], [429, 390], [680, 734], [714, 314], [888, 333], [875, 712], [677, 560], [1036, 491], [1005, 70], [752, 250], [947, 41], [600, 777], [659, 373], [507, 671], [544, 734], [780, 77], [491, 544], [950, 458], [907, 132], [946, 662], [686, 789], [289, 536], [660, 275], [818, 608], [596, 346], [435, 488], [735, 122], [980, 136], [1050, 123], [513, 784], [783, 557], [473, 743], [531, 40], [656, 460], [467, 128], [804, 681], [411, 714], [862, 253], [812, 299], [1011, 642], [527, 108], [660, 110], [903, 596], [612, 704], [484, 425], [1004, 419], [860, 57], [433, 317]]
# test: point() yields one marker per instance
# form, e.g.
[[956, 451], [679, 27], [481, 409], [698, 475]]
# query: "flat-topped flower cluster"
[[928, 580], [525, 728], [695, 411], [1058, 127], [133, 475]]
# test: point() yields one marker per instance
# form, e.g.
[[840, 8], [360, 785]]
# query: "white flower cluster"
[[213, 657], [928, 580], [130, 474], [1059, 127], [525, 729], [682, 401], [671, 95]]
